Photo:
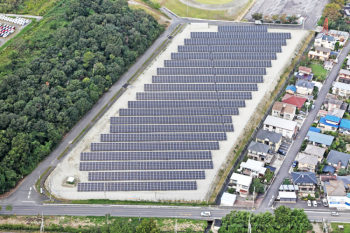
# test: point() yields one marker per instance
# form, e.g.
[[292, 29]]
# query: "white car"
[[206, 214], [314, 203], [334, 214], [309, 203]]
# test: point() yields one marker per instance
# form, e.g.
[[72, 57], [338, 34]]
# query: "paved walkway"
[[38, 18]]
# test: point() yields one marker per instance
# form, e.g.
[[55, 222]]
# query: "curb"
[[129, 206]]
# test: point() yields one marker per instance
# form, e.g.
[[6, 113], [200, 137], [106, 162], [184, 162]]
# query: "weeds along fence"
[[245, 148]]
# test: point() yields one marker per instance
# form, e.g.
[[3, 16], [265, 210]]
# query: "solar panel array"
[[163, 140]]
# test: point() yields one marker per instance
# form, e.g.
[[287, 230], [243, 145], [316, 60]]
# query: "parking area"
[[312, 9], [3, 40]]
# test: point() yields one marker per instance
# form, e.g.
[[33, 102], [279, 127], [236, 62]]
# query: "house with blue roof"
[[344, 126], [314, 129], [319, 139], [329, 123], [291, 89], [306, 181]]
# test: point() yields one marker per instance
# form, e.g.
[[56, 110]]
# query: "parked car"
[[295, 164], [258, 22], [334, 214], [325, 203], [309, 203], [302, 112], [313, 106], [300, 117], [314, 203], [206, 214]]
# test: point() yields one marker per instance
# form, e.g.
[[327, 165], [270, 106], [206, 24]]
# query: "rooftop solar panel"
[[242, 28], [260, 42], [188, 104], [172, 120], [201, 87], [224, 56], [145, 155], [192, 95], [216, 63], [153, 146], [178, 111], [137, 186], [161, 137], [146, 175], [242, 35], [229, 49], [207, 79], [171, 128], [146, 165]]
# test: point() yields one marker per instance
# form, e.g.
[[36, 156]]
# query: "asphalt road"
[[294, 149], [26, 201]]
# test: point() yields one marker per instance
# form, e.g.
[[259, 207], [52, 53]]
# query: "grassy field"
[[336, 229], [214, 1], [320, 74], [84, 222], [181, 10], [155, 16]]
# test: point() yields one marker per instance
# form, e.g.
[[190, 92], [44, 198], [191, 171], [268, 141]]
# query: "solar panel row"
[[152, 146], [171, 120], [145, 165], [163, 137], [201, 87], [145, 155], [242, 28], [260, 42], [207, 79], [229, 49], [242, 35], [192, 95], [147, 175], [188, 104], [178, 111], [171, 128], [216, 63], [137, 186], [223, 56]]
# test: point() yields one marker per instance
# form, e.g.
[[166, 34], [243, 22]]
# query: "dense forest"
[[40, 100]]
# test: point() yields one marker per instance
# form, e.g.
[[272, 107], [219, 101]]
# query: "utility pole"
[[175, 225], [50, 190], [42, 223], [249, 226], [324, 225], [253, 200], [139, 218]]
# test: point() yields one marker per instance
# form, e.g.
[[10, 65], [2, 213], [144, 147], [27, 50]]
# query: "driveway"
[[294, 149]]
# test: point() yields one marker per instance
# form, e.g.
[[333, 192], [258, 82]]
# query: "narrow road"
[[294, 149], [38, 18]]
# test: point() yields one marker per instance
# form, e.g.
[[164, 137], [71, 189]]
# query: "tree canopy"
[[283, 220], [332, 11], [42, 99]]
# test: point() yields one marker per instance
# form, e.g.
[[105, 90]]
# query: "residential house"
[[285, 127], [337, 112], [331, 102], [241, 183], [319, 139], [274, 140], [325, 41], [260, 152], [341, 89], [329, 123], [328, 65], [304, 73], [336, 194], [322, 113], [315, 151], [306, 181], [307, 162], [328, 169], [291, 89], [344, 106], [346, 181], [344, 126], [294, 100], [339, 36], [253, 168], [304, 87], [338, 159], [314, 129], [286, 111], [320, 53], [344, 76], [348, 64]]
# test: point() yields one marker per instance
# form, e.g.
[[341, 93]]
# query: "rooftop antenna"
[[325, 26]]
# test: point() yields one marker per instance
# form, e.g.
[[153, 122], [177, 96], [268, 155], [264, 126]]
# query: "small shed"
[[228, 199], [288, 197], [71, 179], [217, 224]]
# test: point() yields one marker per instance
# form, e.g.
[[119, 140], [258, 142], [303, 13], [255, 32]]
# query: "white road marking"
[[28, 201]]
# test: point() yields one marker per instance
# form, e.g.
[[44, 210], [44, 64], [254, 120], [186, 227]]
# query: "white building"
[[325, 41], [336, 194], [339, 36], [285, 127], [253, 168], [341, 89], [228, 199], [241, 183]]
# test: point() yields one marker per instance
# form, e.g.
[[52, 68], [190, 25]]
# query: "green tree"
[[259, 187], [257, 16], [292, 18], [339, 2], [283, 18], [9, 207], [0, 207], [342, 172], [275, 17], [148, 226], [332, 11], [88, 56], [336, 46]]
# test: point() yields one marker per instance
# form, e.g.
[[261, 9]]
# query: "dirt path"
[[38, 18], [232, 7], [161, 20]]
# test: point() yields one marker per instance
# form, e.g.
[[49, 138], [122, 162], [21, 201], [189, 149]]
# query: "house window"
[[311, 189], [234, 181], [244, 187], [304, 189]]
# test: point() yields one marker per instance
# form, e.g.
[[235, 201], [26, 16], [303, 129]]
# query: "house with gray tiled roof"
[[273, 139], [306, 181], [338, 159], [315, 151], [260, 152], [307, 162]]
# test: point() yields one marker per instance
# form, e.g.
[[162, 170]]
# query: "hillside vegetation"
[[54, 74], [32, 7]]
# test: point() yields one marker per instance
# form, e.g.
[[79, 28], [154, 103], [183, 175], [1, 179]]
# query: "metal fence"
[[260, 124]]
